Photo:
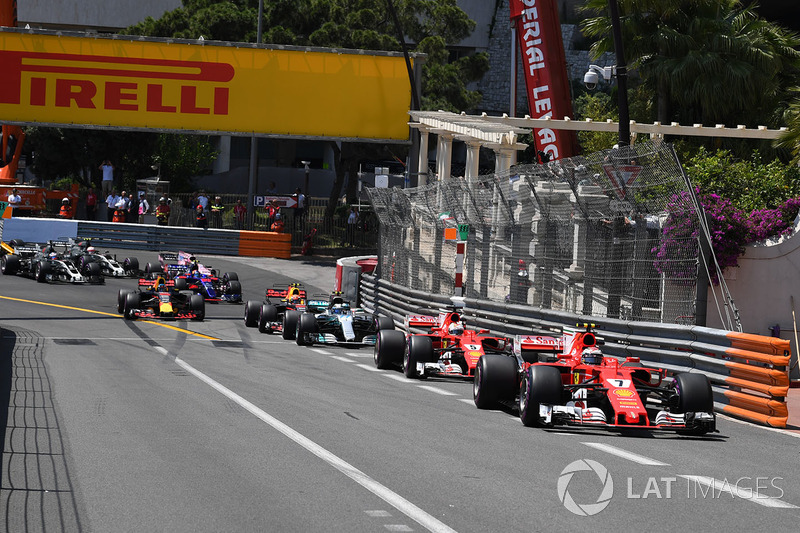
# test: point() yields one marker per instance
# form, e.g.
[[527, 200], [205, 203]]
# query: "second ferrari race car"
[[332, 322], [159, 298], [44, 263], [569, 381], [449, 349], [268, 315], [190, 274]]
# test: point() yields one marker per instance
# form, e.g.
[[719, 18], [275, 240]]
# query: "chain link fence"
[[612, 234]]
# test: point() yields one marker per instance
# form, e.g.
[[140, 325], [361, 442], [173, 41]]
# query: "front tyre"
[[419, 349], [251, 310], [306, 325], [389, 348], [495, 379], [267, 315], [290, 318], [198, 304], [540, 385], [9, 264]]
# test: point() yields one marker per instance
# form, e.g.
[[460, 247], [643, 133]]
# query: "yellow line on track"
[[109, 314]]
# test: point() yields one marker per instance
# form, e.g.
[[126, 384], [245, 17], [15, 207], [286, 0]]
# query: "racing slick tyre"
[[306, 324], [251, 309], [290, 318], [266, 314], [389, 347], [16, 243], [9, 264], [694, 396], [41, 271], [130, 265], [181, 284], [234, 287], [495, 380], [230, 276], [419, 349], [94, 272], [198, 304], [122, 294], [384, 322], [540, 384], [152, 268], [132, 302]]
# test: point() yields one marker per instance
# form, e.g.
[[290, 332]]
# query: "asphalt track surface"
[[113, 425]]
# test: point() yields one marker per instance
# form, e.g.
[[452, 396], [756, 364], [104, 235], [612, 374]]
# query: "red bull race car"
[[568, 381], [449, 349], [159, 298], [268, 315]]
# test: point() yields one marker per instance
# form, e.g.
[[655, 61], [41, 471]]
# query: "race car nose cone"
[[631, 418]]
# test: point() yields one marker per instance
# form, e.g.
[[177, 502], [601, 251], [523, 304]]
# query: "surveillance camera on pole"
[[592, 76]]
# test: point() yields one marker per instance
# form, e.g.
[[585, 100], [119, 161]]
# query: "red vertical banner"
[[545, 67]]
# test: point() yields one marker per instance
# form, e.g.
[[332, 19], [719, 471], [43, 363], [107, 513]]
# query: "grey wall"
[[90, 14]]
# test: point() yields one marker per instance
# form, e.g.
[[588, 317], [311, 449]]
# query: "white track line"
[[368, 367], [437, 390], [744, 493], [321, 352], [392, 498], [340, 358], [635, 457]]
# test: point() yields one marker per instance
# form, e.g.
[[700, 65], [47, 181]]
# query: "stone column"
[[422, 177], [444, 155]]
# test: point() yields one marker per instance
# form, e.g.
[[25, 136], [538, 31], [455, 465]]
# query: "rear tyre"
[[383, 323], [495, 380], [290, 318], [121, 297], [306, 325], [9, 264], [251, 309], [181, 284], [419, 349], [152, 268], [16, 243], [267, 313], [132, 302], [234, 287], [230, 276], [198, 304], [130, 265], [389, 348], [540, 384]]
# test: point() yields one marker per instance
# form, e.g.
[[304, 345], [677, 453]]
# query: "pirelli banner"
[[128, 83]]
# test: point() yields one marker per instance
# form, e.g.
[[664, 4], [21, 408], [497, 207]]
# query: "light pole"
[[305, 188], [253, 176]]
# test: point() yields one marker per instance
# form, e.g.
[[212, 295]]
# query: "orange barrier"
[[265, 244]]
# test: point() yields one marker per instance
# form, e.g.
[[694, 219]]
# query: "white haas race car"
[[44, 264], [83, 254]]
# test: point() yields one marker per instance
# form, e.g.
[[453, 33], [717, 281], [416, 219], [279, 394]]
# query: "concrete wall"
[[763, 286], [90, 14]]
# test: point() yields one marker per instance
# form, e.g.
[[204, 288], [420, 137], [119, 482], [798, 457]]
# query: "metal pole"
[[253, 176], [622, 76], [512, 108]]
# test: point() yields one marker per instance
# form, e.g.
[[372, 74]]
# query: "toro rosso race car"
[[189, 274], [268, 315], [569, 381], [159, 298], [82, 254], [44, 264], [449, 349], [331, 322]]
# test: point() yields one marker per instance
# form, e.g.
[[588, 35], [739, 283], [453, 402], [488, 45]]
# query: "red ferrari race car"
[[158, 298], [448, 350], [268, 315], [569, 381]]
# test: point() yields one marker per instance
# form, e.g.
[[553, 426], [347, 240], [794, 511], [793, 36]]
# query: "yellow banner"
[[201, 87]]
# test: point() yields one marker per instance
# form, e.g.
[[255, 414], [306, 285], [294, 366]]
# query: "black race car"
[[44, 263]]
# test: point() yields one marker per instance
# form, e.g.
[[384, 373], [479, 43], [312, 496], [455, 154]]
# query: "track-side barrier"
[[748, 373]]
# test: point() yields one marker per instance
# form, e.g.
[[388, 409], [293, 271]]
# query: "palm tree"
[[706, 61]]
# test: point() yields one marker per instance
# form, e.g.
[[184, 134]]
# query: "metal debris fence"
[[612, 234]]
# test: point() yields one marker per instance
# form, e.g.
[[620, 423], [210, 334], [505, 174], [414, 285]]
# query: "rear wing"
[[286, 293], [166, 257], [531, 348], [151, 283]]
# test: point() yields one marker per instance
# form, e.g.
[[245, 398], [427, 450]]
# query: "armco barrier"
[[152, 237], [748, 373]]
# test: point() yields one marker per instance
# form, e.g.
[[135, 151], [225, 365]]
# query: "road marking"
[[368, 367], [635, 457], [465, 400], [437, 390], [359, 354], [340, 358], [378, 513], [109, 314], [161, 350], [401, 379], [321, 352], [415, 513], [735, 490]]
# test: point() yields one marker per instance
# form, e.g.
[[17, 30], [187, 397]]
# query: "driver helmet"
[[339, 309], [456, 326], [52, 255], [591, 356], [90, 250]]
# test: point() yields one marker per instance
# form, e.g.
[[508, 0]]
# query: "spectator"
[[144, 207], [108, 178], [272, 190], [299, 210], [272, 209], [239, 212], [66, 210], [162, 212], [91, 204], [14, 200], [352, 224], [200, 217], [277, 225], [132, 214], [111, 202], [216, 212], [202, 199], [122, 207]]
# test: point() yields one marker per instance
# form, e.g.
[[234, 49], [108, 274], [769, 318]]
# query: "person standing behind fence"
[[121, 209], [300, 208], [144, 207], [352, 224], [91, 204], [111, 202], [163, 211], [14, 200], [200, 217], [217, 208], [108, 178], [239, 212]]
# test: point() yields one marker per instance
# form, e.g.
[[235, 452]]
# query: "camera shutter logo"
[[586, 509]]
